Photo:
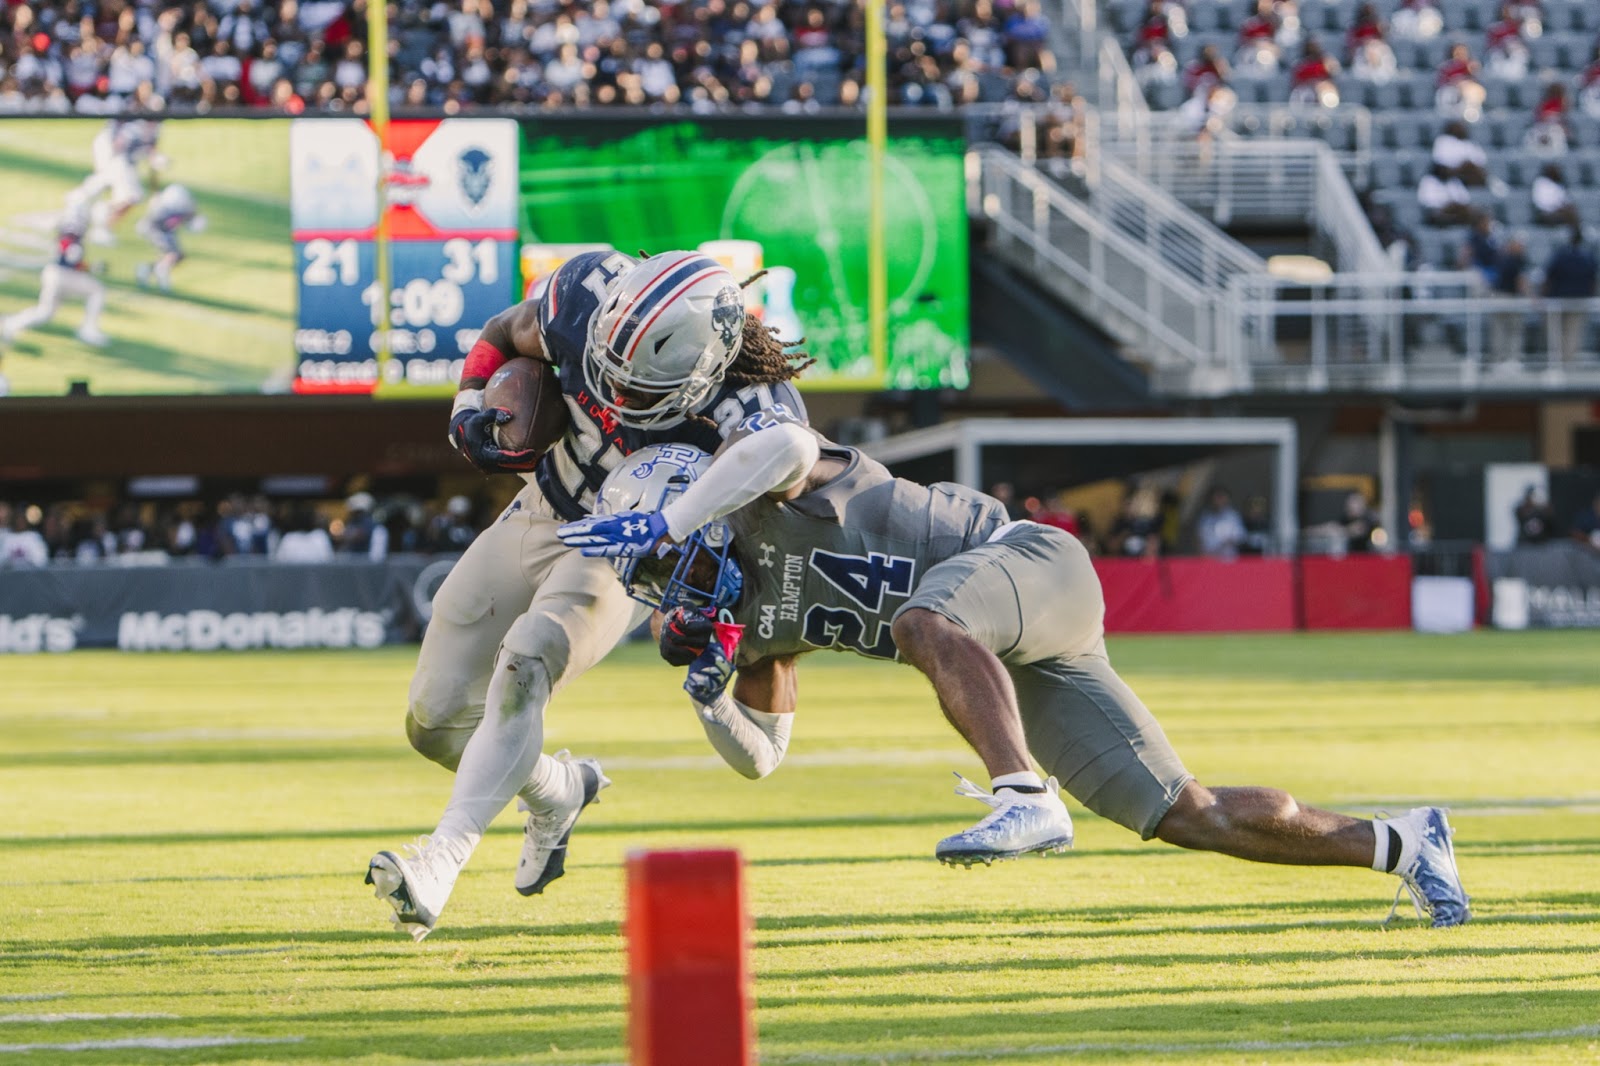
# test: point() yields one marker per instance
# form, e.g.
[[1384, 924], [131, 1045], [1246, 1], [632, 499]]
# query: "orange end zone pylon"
[[688, 968]]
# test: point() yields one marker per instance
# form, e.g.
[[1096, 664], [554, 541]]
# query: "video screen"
[[145, 257], [790, 198]]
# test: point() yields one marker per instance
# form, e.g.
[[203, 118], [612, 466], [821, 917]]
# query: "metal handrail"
[[1112, 271]]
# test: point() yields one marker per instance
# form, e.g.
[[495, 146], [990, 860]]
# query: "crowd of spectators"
[[1537, 521], [108, 56], [148, 533], [1149, 522], [1272, 43]]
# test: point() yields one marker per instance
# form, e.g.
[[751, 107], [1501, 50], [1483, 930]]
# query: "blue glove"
[[472, 434], [625, 535], [709, 674]]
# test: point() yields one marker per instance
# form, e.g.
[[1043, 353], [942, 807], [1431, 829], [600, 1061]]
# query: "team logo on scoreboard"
[[405, 183], [475, 169]]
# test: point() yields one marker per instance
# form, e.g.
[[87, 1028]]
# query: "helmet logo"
[[727, 315]]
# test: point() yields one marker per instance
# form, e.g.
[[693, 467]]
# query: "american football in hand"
[[530, 390]]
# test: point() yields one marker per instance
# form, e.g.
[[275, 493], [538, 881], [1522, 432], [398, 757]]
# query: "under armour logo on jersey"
[[768, 554]]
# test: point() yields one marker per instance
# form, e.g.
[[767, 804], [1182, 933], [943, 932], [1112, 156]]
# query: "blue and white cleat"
[[544, 838], [1021, 823], [1430, 875], [416, 882]]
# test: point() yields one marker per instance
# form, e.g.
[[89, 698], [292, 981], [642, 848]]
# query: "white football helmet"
[[662, 338], [648, 480], [175, 199]]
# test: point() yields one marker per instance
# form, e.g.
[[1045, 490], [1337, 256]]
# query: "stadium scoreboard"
[[451, 226]]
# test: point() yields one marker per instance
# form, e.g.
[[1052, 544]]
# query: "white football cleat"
[[544, 838], [92, 336], [1020, 823], [1431, 876], [416, 883]]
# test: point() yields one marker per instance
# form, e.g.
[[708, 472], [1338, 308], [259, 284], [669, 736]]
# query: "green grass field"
[[186, 835], [227, 326]]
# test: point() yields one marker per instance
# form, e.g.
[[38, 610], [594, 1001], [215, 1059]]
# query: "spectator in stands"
[[1368, 26], [1459, 90], [1589, 85], [1312, 82], [1536, 522], [1043, 512], [1137, 529], [452, 530], [1006, 493], [1362, 530], [1153, 65], [1257, 527], [1548, 135], [1506, 327], [1258, 54], [1570, 275], [1205, 114], [305, 539], [1552, 204], [1220, 530], [1505, 52], [1455, 151], [1209, 66], [1586, 526], [1417, 20], [1374, 63], [1061, 128], [1157, 27], [1480, 252], [362, 534], [22, 546], [1443, 199]]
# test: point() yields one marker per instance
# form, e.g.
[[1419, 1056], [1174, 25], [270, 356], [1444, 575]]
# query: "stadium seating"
[[1406, 118], [505, 53]]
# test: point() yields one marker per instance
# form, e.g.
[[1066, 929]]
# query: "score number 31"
[[419, 302]]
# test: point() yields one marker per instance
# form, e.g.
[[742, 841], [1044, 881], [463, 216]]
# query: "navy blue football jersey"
[[571, 472]]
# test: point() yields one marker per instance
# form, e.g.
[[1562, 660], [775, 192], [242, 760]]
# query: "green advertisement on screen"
[[790, 198]]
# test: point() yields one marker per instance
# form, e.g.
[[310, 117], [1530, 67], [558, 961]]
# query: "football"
[[530, 390]]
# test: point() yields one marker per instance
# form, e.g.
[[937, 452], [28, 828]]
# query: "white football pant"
[[56, 281], [519, 616]]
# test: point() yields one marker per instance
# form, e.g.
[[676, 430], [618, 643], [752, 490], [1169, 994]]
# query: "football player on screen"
[[170, 210], [67, 274], [648, 352], [787, 543], [115, 186]]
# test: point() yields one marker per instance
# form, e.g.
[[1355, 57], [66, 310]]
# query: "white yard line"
[[75, 1016], [159, 1043], [1138, 1049]]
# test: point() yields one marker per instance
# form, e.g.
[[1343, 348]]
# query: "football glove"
[[472, 434], [624, 535], [685, 635], [709, 674]]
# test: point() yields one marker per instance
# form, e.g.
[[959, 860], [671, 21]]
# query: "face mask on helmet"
[[662, 338], [701, 573]]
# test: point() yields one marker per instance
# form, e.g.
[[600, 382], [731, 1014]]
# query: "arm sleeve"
[[752, 742], [773, 460]]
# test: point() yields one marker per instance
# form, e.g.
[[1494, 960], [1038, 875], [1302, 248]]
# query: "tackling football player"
[[788, 543], [647, 352]]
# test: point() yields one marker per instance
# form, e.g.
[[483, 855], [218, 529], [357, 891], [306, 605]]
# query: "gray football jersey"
[[829, 568]]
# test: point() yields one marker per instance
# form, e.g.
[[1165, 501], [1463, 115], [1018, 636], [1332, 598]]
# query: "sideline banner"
[[229, 607], [1550, 586], [1189, 595]]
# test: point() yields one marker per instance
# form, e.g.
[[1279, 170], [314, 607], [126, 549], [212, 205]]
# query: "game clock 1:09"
[[441, 293]]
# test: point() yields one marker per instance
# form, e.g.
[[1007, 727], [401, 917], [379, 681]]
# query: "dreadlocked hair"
[[762, 358]]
